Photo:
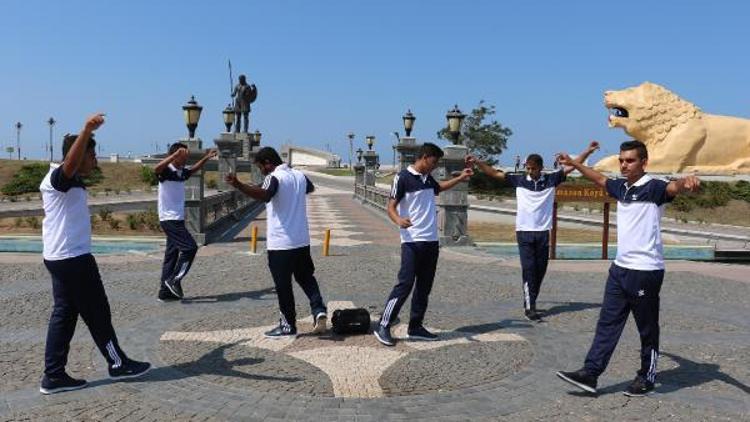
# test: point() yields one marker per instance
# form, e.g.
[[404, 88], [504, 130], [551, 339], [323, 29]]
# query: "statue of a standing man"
[[243, 95]]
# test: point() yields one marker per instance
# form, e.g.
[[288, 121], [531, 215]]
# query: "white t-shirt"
[[639, 211], [415, 194], [172, 192], [66, 229], [535, 199], [286, 211]]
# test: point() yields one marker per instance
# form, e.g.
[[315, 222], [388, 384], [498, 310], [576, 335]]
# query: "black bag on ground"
[[351, 321]]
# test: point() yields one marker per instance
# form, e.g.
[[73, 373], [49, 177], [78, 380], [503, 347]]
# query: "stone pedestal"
[[453, 204], [229, 148], [407, 152], [359, 174], [194, 217], [372, 163], [245, 144]]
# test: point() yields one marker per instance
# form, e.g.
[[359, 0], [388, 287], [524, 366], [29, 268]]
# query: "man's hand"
[[404, 223], [231, 178], [564, 159], [181, 153], [93, 122], [211, 153], [691, 183], [593, 146], [470, 161], [466, 174]]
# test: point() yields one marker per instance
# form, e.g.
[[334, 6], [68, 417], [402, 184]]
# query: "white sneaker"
[[321, 323]]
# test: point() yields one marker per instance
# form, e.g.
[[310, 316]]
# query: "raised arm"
[[171, 157], [255, 192], [593, 146], [197, 166], [682, 185], [449, 184], [486, 168], [74, 157], [587, 172]]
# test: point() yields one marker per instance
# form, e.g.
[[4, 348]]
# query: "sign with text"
[[568, 192]]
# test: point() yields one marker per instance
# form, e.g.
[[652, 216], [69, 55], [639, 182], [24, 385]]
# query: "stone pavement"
[[490, 364]]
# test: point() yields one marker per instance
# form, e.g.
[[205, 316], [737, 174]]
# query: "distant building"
[[303, 156]]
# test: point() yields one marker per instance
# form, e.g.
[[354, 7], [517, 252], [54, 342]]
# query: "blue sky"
[[324, 68]]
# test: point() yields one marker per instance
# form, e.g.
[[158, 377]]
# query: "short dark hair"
[[535, 159], [268, 155], [175, 146], [635, 145], [69, 139], [429, 149]]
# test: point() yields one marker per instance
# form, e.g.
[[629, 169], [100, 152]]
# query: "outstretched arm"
[[486, 168], [449, 184], [254, 192], [171, 157], [197, 166], [587, 172], [593, 146], [74, 157], [685, 184]]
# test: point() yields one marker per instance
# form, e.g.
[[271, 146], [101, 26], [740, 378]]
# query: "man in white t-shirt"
[[636, 275], [535, 198], [284, 191], [181, 247], [77, 287], [412, 207]]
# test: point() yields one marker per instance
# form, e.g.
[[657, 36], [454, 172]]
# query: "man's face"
[[265, 168], [181, 160], [631, 165], [534, 170], [89, 163], [427, 164]]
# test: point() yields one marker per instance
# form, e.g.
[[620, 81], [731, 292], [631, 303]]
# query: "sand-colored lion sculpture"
[[679, 136]]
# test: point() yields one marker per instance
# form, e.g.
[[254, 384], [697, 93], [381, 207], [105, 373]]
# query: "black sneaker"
[[174, 287], [383, 334], [64, 382], [321, 323], [580, 379], [420, 333], [166, 296], [129, 369], [639, 387], [282, 331], [532, 315]]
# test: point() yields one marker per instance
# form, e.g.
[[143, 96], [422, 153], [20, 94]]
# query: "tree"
[[484, 140]]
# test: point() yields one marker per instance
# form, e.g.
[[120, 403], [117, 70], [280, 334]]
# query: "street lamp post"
[[455, 118], [395, 145], [359, 155], [350, 135], [192, 113], [228, 114], [256, 138], [51, 122], [409, 119], [370, 141], [18, 139]]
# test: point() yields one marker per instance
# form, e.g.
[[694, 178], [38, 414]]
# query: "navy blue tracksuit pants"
[[298, 263], [179, 253], [77, 290], [418, 264], [628, 291], [533, 248]]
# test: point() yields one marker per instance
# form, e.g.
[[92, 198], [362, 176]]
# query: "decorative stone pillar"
[[359, 174], [407, 152], [453, 204], [229, 147], [194, 216], [245, 144], [372, 163]]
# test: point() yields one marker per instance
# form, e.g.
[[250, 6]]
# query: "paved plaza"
[[212, 362]]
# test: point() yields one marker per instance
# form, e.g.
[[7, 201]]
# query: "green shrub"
[[148, 176], [18, 222], [114, 224], [105, 213], [132, 221], [212, 184], [26, 180], [32, 222]]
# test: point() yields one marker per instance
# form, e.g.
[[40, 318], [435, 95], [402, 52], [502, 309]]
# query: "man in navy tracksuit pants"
[[76, 284], [535, 196], [637, 273], [412, 207], [181, 247], [284, 191]]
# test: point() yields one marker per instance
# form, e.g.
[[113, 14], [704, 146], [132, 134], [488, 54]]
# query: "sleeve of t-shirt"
[[514, 179], [270, 185], [166, 174], [398, 190], [558, 177], [614, 188], [310, 187], [434, 183], [187, 172], [59, 181], [656, 192]]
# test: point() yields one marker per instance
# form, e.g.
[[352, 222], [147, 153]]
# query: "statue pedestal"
[[372, 163], [359, 174], [229, 147], [407, 152], [453, 204]]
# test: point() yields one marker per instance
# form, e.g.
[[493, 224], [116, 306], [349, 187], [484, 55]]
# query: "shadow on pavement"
[[568, 307], [231, 297]]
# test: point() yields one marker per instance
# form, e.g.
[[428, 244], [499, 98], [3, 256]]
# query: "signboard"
[[568, 192]]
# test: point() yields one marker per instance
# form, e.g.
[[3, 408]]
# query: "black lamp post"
[[228, 114], [409, 119], [192, 113], [455, 118], [370, 141], [256, 138], [18, 139], [359, 155], [350, 135], [51, 122]]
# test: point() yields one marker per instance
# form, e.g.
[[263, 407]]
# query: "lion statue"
[[679, 136]]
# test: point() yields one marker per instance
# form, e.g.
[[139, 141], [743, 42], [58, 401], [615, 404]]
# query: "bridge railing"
[[372, 195]]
